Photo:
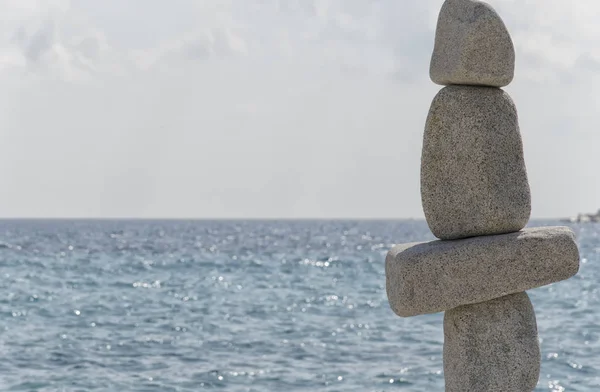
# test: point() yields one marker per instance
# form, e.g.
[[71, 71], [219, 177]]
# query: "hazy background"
[[267, 108]]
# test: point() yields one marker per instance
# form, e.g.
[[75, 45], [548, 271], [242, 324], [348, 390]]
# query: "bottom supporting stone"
[[492, 346]]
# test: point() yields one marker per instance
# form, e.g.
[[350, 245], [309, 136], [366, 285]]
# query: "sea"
[[244, 306]]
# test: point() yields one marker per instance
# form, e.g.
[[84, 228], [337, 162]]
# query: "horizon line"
[[125, 218]]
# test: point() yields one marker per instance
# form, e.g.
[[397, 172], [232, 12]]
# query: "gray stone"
[[431, 277], [492, 346], [472, 46], [473, 175]]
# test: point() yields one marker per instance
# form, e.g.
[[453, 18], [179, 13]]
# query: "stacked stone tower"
[[476, 199]]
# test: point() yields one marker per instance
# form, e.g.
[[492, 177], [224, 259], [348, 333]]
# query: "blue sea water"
[[245, 306]]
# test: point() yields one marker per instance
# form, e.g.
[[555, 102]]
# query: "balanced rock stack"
[[476, 199]]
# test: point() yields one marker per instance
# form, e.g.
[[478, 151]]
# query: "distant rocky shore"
[[584, 218]]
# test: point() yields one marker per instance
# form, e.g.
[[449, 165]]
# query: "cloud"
[[39, 43], [195, 46], [50, 39], [386, 36]]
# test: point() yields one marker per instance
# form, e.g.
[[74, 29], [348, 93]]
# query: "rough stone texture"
[[472, 46], [492, 346], [473, 175], [431, 277]]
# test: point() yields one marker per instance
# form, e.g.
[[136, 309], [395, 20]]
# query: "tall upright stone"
[[476, 199], [473, 176]]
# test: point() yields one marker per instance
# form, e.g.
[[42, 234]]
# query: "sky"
[[268, 108]]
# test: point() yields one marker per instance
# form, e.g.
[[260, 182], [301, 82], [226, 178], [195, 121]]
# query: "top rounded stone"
[[472, 46]]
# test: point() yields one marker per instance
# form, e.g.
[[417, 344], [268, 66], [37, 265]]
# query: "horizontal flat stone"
[[472, 46], [492, 346], [473, 176], [431, 277]]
